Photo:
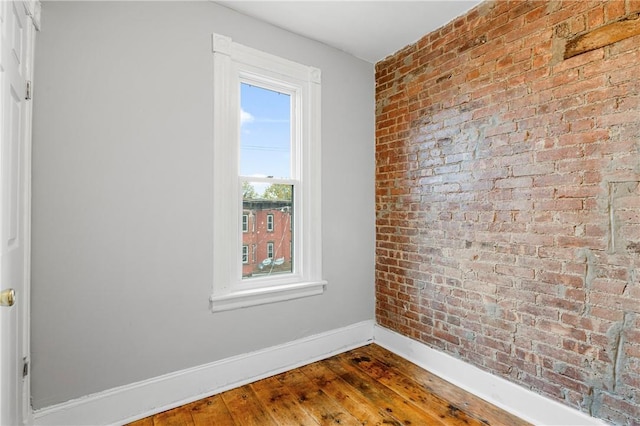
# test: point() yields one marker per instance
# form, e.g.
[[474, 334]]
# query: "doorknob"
[[7, 297]]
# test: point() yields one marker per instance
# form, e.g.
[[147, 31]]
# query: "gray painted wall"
[[122, 195]]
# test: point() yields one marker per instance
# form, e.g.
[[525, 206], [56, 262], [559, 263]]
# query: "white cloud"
[[245, 117], [259, 186]]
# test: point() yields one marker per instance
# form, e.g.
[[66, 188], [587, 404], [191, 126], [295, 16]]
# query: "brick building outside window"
[[268, 232]]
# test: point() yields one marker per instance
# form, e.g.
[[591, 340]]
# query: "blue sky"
[[265, 137]]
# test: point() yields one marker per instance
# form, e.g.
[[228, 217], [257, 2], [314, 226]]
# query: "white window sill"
[[264, 295]]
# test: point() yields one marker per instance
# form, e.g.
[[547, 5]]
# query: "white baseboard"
[[135, 401], [510, 397]]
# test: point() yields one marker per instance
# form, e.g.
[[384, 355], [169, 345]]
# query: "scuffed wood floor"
[[365, 386]]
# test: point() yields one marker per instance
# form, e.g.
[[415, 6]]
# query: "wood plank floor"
[[365, 386]]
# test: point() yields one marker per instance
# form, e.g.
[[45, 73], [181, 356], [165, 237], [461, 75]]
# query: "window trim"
[[245, 223], [231, 61], [270, 223]]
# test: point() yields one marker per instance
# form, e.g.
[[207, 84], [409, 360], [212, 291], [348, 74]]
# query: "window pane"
[[265, 133], [269, 210], [245, 254]]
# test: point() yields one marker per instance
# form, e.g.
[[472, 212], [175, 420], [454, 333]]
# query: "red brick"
[[514, 182], [516, 271], [633, 6], [595, 18], [584, 137], [559, 154], [614, 10], [559, 205], [491, 185], [585, 59]]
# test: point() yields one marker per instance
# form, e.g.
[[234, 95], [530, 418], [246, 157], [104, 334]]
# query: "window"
[[245, 254], [267, 144]]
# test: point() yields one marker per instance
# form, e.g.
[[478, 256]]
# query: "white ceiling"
[[369, 30]]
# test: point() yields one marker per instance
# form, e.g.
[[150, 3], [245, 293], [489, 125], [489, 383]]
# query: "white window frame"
[[245, 254], [245, 223], [270, 220], [270, 248], [233, 63]]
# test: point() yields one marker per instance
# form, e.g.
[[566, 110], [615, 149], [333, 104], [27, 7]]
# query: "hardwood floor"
[[365, 386]]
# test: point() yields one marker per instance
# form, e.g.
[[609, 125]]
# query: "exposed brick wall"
[[508, 204]]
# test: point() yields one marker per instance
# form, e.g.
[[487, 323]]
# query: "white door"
[[15, 117]]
